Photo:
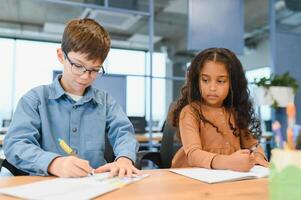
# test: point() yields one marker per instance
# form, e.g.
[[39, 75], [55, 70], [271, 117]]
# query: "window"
[[121, 61], [35, 62], [26, 64], [265, 111], [6, 77], [134, 65]]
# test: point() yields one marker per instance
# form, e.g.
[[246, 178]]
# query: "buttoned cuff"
[[127, 155], [43, 163]]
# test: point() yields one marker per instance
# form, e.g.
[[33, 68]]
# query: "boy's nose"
[[85, 75]]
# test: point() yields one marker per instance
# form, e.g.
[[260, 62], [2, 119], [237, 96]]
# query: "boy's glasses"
[[80, 70]]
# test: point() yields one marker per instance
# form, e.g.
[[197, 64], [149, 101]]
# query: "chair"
[[139, 123], [15, 171], [6, 122], [169, 147]]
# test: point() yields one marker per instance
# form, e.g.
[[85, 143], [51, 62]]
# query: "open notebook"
[[70, 188], [217, 176]]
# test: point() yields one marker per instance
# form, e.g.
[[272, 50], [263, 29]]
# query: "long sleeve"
[[191, 139], [247, 141], [120, 131], [21, 144]]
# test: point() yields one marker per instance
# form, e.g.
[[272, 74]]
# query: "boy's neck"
[[67, 88]]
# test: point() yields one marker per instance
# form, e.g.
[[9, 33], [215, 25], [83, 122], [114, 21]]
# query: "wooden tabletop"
[[157, 137], [1, 138], [162, 184]]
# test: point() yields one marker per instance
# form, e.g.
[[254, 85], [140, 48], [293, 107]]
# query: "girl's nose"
[[212, 87]]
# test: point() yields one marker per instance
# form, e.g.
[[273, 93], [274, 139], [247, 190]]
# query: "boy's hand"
[[241, 160], [69, 166], [121, 167]]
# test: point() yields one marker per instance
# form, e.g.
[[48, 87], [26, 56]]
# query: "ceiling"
[[45, 20]]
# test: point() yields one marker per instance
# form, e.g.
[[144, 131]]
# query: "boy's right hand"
[[69, 166], [241, 160]]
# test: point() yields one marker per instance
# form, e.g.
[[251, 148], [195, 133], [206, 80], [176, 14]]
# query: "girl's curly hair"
[[238, 100]]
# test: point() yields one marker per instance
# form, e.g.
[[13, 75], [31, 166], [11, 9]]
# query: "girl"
[[215, 116]]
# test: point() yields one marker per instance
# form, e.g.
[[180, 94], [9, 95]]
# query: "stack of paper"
[[216, 176], [70, 188]]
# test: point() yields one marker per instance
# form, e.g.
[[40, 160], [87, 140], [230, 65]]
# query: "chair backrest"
[[15, 171], [6, 122], [169, 143], [109, 153], [139, 123]]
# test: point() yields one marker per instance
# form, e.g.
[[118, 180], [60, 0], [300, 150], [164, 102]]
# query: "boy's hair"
[[88, 37], [237, 101]]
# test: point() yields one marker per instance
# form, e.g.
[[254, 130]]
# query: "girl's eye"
[[221, 81], [205, 80]]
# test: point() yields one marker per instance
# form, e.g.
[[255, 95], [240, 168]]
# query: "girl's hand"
[[122, 167], [260, 160], [241, 160]]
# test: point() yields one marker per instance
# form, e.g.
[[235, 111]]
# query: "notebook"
[[70, 188], [218, 176]]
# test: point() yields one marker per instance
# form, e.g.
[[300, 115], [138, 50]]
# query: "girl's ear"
[[60, 55]]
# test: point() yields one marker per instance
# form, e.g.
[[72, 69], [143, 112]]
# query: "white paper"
[[70, 188], [216, 176]]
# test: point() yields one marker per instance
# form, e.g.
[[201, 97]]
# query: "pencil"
[[253, 149], [70, 151], [66, 147]]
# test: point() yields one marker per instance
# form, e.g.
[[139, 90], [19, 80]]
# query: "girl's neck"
[[213, 107]]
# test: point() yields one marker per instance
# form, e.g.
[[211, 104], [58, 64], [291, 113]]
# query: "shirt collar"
[[57, 91]]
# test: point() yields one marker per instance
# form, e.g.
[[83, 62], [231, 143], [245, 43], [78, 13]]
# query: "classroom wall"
[[287, 58], [258, 57], [215, 23]]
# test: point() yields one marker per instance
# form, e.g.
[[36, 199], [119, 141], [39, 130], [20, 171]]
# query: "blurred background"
[[153, 43]]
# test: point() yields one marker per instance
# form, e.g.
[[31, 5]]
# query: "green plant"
[[278, 80]]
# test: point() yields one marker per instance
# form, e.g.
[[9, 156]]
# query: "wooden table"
[[165, 185], [1, 139], [156, 137]]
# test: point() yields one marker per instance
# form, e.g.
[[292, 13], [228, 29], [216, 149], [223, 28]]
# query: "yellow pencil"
[[66, 147], [70, 151]]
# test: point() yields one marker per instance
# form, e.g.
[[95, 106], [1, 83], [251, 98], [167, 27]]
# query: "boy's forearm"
[[30, 159]]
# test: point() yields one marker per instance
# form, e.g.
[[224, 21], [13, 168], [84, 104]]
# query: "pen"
[[253, 149], [70, 151]]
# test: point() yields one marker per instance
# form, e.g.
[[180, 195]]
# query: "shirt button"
[[74, 130], [74, 107]]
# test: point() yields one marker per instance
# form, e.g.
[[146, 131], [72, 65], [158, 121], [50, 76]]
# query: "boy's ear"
[[60, 55]]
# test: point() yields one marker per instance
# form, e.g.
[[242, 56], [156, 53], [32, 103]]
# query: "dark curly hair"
[[238, 100]]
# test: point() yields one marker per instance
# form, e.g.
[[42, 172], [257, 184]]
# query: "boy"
[[70, 109]]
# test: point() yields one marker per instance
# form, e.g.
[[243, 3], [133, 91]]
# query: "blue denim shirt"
[[46, 113]]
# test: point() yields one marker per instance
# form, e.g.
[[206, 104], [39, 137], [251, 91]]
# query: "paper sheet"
[[216, 176], [70, 188]]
